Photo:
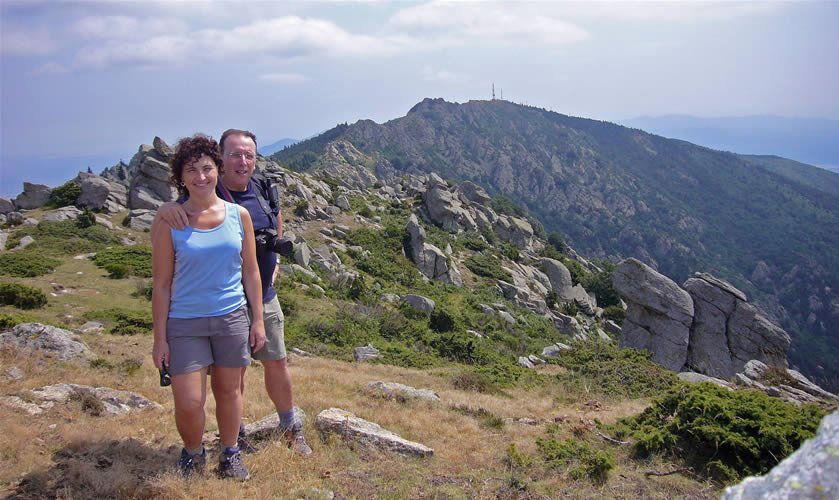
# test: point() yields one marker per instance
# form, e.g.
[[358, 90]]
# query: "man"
[[238, 152]]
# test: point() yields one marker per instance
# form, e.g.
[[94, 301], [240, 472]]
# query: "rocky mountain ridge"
[[614, 192], [708, 328]]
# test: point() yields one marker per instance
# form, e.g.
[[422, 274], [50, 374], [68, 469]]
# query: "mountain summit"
[[615, 192]]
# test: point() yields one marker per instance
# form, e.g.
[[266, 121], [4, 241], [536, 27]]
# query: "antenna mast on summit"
[[493, 91]]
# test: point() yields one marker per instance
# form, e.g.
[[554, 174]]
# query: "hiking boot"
[[230, 466], [192, 464], [295, 440]]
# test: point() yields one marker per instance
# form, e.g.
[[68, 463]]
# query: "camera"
[[266, 239]]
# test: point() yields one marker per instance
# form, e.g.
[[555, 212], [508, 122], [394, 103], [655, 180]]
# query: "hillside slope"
[[615, 192]]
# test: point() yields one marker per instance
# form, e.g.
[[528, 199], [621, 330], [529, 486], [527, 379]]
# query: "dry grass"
[[70, 454]]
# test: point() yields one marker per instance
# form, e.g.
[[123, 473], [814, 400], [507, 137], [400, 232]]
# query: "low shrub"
[[607, 370], [487, 266], [123, 321], [723, 434], [66, 237], [85, 219], [121, 262], [615, 313], [65, 195], [21, 296], [7, 321], [26, 264], [578, 457]]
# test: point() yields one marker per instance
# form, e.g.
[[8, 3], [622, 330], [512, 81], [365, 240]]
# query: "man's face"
[[239, 157]]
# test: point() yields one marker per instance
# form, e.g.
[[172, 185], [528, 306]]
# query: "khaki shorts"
[[197, 343], [274, 319]]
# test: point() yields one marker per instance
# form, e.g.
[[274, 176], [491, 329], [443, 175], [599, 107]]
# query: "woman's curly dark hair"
[[187, 151]]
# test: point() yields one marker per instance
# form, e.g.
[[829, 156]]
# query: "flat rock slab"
[[350, 427], [114, 402], [51, 341], [393, 390]]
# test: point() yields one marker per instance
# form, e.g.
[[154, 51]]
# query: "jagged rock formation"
[[659, 315], [812, 472], [365, 433], [728, 332], [707, 329], [99, 193], [6, 206], [48, 340], [150, 185], [33, 196], [430, 260]]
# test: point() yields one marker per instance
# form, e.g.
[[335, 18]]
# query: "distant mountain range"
[[809, 140], [766, 224], [276, 146]]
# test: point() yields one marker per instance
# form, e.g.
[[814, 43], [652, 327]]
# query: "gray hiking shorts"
[[197, 343], [274, 347]]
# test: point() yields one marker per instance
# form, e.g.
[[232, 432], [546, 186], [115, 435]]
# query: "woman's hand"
[[160, 353], [257, 335]]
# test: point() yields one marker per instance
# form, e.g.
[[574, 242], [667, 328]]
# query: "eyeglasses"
[[244, 156]]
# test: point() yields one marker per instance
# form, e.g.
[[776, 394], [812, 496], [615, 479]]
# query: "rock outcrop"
[[48, 340], [357, 430], [812, 472], [400, 392], [99, 193], [150, 185], [659, 315], [444, 208], [430, 260], [33, 196], [113, 401], [728, 332]]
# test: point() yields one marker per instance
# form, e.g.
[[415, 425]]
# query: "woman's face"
[[200, 175]]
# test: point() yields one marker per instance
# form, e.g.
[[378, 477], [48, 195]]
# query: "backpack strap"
[[267, 196]]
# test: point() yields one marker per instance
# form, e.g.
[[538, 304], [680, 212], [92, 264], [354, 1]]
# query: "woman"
[[202, 275]]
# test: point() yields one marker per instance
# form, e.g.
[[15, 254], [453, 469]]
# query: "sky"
[[85, 83]]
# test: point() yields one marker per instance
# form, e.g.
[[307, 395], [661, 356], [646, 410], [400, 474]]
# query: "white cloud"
[[287, 37], [284, 78], [477, 22], [119, 27], [26, 42], [667, 10]]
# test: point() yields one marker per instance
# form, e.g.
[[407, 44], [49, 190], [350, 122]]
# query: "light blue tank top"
[[208, 269]]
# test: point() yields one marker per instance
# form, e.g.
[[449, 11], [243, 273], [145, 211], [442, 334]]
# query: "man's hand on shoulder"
[[173, 214]]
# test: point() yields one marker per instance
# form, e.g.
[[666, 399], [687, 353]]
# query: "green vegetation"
[[65, 195], [487, 266], [121, 262], [578, 457], [26, 264], [124, 322], [21, 296], [602, 368], [723, 434], [62, 238]]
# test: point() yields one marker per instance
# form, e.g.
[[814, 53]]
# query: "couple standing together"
[[213, 302]]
